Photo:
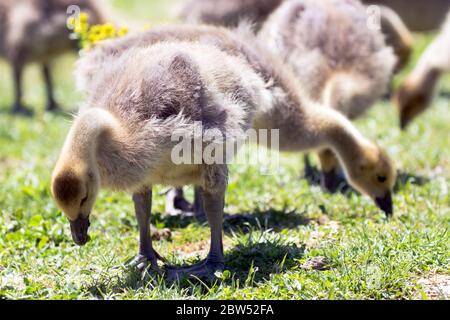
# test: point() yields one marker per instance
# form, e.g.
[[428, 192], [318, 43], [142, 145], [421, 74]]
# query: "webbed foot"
[[52, 106], [22, 111], [147, 262]]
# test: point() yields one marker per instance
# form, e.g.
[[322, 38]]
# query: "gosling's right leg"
[[18, 108], [147, 255], [213, 204], [215, 185], [309, 169]]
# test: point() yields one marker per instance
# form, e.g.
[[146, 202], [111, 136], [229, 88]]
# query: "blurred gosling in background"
[[35, 31]]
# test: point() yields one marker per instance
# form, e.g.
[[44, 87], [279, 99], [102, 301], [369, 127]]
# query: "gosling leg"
[[329, 165], [147, 256], [51, 103], [18, 108], [213, 205], [177, 205], [310, 173]]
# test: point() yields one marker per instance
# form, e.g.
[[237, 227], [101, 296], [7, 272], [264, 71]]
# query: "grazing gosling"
[[36, 31], [415, 94], [337, 59], [243, 44], [123, 139], [228, 13], [140, 94]]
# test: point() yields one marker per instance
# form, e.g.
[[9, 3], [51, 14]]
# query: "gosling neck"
[[83, 139], [426, 77], [346, 141]]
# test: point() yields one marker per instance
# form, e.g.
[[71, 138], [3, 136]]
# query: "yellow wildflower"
[[84, 17], [122, 31]]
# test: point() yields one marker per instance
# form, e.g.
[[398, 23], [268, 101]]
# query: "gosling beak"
[[385, 204], [79, 229]]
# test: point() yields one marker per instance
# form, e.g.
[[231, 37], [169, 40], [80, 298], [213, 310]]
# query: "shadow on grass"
[[273, 219], [256, 262], [249, 263], [444, 94]]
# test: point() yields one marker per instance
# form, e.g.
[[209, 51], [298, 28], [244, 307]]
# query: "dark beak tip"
[[79, 229], [386, 204], [389, 213], [80, 240]]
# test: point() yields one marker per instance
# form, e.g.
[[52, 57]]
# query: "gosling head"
[[415, 95], [75, 192], [411, 101], [373, 174]]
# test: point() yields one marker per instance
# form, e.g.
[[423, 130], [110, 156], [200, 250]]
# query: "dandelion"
[[88, 35], [122, 31], [84, 17]]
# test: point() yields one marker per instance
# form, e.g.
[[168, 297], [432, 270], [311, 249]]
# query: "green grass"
[[288, 221]]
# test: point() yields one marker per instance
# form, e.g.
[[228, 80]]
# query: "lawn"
[[288, 222]]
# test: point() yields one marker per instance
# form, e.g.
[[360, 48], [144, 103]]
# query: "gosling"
[[337, 59], [416, 93], [36, 31], [123, 140], [242, 44]]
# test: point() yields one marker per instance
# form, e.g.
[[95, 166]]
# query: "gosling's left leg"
[[51, 103], [329, 178], [213, 205], [147, 255], [177, 205]]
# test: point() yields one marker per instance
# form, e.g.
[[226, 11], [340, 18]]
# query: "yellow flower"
[[109, 29], [90, 35], [80, 29], [93, 38], [96, 29], [84, 17], [122, 31]]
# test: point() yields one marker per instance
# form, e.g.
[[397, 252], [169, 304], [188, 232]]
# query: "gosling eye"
[[382, 179]]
